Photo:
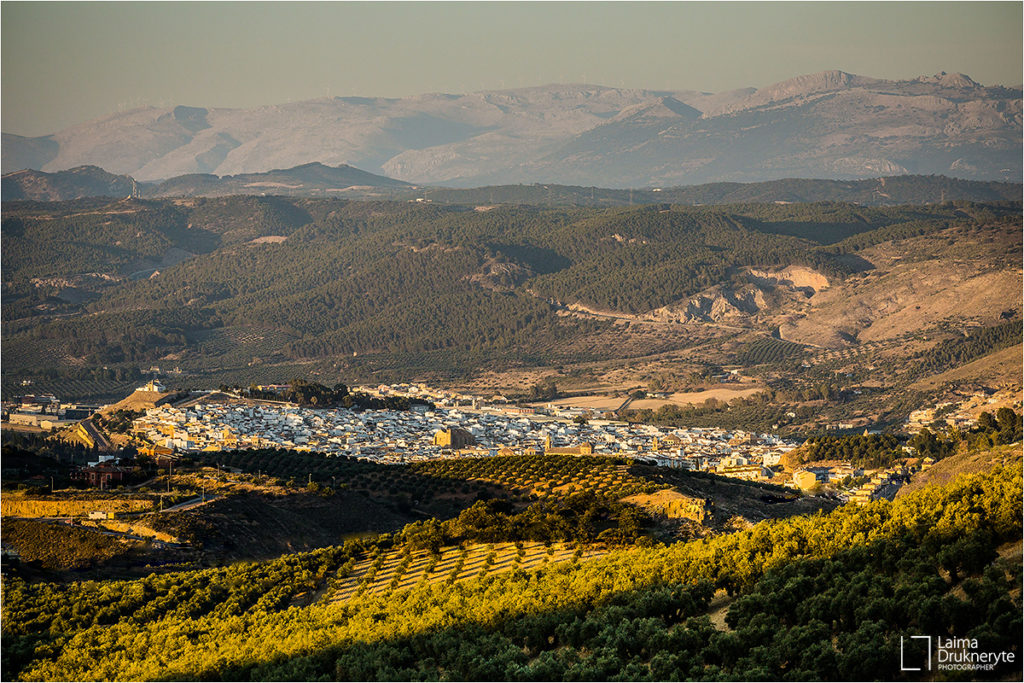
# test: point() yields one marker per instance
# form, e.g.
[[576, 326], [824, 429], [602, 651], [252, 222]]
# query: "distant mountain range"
[[317, 180], [90, 181], [306, 180], [827, 125], [75, 183]]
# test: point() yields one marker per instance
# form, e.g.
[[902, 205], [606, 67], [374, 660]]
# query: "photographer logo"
[[925, 653]]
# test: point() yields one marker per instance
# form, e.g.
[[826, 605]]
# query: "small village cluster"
[[394, 437], [425, 433], [461, 425]]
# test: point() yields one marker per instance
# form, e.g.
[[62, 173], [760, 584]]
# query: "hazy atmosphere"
[[492, 341], [67, 63]]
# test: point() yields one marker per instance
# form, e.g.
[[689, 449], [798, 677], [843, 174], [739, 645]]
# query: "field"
[[81, 389], [769, 350], [31, 429], [60, 547], [543, 475], [441, 484], [17, 505], [138, 530], [599, 402], [239, 345], [721, 394], [398, 570]]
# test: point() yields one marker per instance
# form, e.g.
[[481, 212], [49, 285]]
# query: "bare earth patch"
[[601, 402], [723, 394]]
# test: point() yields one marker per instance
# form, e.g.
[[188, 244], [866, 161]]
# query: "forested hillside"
[[317, 180], [807, 598], [243, 283], [890, 191]]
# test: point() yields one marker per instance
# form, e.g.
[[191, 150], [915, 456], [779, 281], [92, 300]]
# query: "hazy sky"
[[66, 63]]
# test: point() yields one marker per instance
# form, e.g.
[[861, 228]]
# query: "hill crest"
[[316, 179]]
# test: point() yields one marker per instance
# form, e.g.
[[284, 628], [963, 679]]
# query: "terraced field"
[[544, 475], [854, 352], [240, 341], [83, 389], [403, 568], [35, 353]]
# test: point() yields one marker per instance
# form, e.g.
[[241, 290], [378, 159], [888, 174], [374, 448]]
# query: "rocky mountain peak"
[[658, 108], [799, 86], [947, 80]]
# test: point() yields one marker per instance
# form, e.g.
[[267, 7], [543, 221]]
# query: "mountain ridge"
[[260, 289], [832, 124], [315, 179], [312, 179]]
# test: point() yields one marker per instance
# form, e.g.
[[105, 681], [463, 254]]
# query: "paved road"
[[100, 440], [193, 503], [624, 405], [888, 491]]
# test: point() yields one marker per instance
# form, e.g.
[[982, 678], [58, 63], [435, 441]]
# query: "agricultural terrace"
[[543, 475], [525, 475], [927, 558], [383, 572]]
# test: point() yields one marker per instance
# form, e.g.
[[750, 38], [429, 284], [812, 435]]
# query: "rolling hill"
[[883, 191], [309, 180], [75, 183], [244, 289], [804, 598], [317, 180]]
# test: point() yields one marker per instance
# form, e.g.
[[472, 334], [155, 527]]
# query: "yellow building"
[[748, 472], [584, 448], [228, 439], [81, 434], [454, 438], [805, 479], [155, 451], [865, 494]]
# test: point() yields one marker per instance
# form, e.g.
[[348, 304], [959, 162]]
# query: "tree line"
[[399, 279], [820, 597]]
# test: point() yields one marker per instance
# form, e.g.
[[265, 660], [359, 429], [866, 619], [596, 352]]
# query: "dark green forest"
[[963, 348], [896, 190], [92, 283]]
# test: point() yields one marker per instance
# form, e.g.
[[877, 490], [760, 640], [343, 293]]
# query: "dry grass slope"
[[15, 505], [946, 470]]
